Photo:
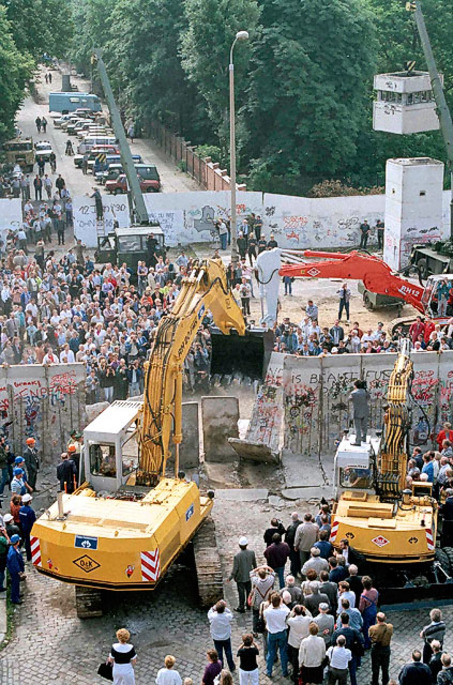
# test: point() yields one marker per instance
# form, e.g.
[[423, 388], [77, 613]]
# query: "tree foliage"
[[15, 69], [304, 80]]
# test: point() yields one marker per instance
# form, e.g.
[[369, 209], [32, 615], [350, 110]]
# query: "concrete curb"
[[3, 613]]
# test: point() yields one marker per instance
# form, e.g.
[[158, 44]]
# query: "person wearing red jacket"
[[445, 434], [416, 329]]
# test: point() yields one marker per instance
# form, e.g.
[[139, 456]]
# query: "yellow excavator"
[[124, 526], [390, 527]]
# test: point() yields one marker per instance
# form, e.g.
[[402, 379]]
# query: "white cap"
[[7, 518], [27, 498], [243, 542]]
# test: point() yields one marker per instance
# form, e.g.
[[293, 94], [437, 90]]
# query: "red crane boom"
[[376, 275]]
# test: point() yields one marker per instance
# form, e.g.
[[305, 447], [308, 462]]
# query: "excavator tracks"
[[207, 564], [88, 602]]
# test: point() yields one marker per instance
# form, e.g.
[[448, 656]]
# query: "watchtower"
[[404, 103]]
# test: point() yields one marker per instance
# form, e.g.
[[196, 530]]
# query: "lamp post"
[[240, 35]]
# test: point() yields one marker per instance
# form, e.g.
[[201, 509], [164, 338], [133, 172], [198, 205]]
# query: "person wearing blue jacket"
[[15, 566], [27, 518]]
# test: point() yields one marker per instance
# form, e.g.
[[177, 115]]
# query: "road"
[[173, 180]]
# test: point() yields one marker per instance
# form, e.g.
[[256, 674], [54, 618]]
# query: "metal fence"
[[206, 173]]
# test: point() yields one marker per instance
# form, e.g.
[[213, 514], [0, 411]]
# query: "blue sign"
[[85, 542], [190, 512]]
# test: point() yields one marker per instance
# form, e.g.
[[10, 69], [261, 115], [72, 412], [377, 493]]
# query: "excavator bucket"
[[244, 356]]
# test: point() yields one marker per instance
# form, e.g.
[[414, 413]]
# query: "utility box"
[[413, 207], [404, 103], [66, 83]]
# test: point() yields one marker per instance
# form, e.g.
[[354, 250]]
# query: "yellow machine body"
[[389, 533], [382, 520], [116, 544]]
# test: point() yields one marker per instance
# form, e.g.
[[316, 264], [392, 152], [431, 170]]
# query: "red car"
[[146, 173]]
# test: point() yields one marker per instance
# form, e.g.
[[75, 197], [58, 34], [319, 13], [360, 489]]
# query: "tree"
[[145, 60], [39, 26], [308, 93], [15, 70], [205, 45]]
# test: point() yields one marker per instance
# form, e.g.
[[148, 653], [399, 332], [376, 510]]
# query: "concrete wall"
[[189, 450], [45, 403], [10, 215], [220, 416], [315, 391], [297, 222]]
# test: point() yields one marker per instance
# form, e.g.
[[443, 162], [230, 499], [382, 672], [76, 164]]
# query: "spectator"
[[220, 618], [313, 598], [243, 564], [355, 582], [381, 637], [167, 675], [344, 592], [337, 572], [325, 623], [298, 622], [293, 589], [262, 580], [445, 676], [248, 666], [434, 631], [311, 657], [339, 657], [290, 535], [325, 547], [328, 588], [435, 663], [316, 562], [368, 607], [415, 672], [275, 527], [213, 668], [275, 616], [306, 536], [354, 642]]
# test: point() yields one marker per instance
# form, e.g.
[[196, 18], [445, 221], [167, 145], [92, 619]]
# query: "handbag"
[[105, 670], [251, 598], [260, 625]]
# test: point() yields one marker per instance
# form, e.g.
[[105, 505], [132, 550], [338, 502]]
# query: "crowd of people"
[[307, 339], [323, 618], [61, 309]]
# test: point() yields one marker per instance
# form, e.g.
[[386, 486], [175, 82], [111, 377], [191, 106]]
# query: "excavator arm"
[[392, 459], [376, 275], [205, 289]]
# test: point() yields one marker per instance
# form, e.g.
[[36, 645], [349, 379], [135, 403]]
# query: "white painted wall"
[[10, 215], [86, 228], [296, 222]]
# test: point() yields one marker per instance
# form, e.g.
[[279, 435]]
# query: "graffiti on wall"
[[315, 397], [42, 402]]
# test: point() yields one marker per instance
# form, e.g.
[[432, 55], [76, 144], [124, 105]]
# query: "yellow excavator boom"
[[204, 289]]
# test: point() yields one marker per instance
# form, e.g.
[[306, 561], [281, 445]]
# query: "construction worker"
[[27, 518], [74, 455], [31, 461], [359, 398], [15, 566]]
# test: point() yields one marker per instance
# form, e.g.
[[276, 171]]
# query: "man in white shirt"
[[339, 658], [220, 618], [275, 617]]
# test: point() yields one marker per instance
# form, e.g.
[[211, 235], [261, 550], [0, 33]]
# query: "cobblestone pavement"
[[52, 646]]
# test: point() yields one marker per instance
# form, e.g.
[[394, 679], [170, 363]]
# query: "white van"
[[90, 141]]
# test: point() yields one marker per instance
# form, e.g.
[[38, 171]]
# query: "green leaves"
[[15, 69]]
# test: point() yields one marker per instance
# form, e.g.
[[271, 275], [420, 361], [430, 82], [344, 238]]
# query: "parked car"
[[148, 176], [43, 150], [96, 150]]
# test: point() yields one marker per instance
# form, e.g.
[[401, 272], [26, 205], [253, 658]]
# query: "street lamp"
[[240, 35]]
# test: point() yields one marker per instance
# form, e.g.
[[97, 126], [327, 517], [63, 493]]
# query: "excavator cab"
[[110, 449], [355, 467], [429, 297]]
